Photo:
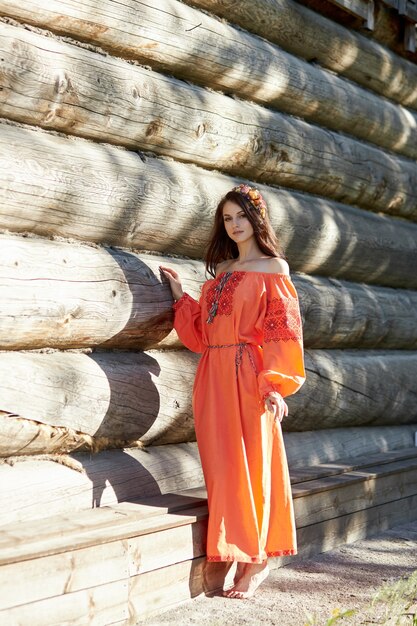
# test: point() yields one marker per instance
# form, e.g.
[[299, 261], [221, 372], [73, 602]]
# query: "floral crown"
[[254, 196]]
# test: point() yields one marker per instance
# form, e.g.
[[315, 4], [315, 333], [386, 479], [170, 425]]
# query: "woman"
[[247, 325]]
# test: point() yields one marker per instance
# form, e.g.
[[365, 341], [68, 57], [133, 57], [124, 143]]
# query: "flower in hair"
[[253, 195]]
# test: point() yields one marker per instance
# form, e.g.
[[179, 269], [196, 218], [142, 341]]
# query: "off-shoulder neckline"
[[252, 272]]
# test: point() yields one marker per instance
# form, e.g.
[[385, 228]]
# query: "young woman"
[[247, 327]]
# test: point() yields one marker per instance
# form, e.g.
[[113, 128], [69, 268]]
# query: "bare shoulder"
[[275, 265]]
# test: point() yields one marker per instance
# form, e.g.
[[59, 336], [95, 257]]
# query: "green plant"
[[400, 600], [337, 614]]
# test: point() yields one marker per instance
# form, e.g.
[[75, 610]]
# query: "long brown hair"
[[220, 247]]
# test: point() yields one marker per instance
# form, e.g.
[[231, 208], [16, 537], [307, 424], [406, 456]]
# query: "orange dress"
[[247, 327]]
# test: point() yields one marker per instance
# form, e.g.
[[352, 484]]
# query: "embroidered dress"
[[247, 327]]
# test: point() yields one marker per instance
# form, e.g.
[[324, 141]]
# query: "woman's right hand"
[[174, 281]]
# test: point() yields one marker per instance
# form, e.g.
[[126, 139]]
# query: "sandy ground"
[[345, 578]]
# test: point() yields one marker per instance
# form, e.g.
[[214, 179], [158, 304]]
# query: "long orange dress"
[[247, 326]]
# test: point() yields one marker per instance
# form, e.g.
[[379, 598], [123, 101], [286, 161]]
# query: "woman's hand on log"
[[174, 281], [276, 404]]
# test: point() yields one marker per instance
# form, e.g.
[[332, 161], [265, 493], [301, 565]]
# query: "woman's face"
[[237, 225]]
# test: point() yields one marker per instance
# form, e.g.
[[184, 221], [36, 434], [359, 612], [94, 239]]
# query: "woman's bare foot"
[[240, 570], [254, 574]]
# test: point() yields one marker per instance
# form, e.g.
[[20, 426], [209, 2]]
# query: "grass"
[[394, 604]]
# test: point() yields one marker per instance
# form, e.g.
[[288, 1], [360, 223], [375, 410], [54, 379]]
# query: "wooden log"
[[37, 487], [76, 296], [22, 436], [317, 39], [55, 186], [317, 447], [349, 388], [110, 100], [147, 396], [390, 28], [341, 314], [117, 396], [170, 515], [163, 34], [60, 295]]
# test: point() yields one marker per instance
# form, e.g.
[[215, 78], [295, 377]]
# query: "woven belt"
[[239, 353]]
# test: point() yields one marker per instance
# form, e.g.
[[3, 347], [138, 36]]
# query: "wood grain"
[[147, 397], [64, 187], [139, 396], [66, 295], [36, 487], [320, 40], [102, 98], [176, 39], [104, 604], [163, 562], [355, 387], [63, 573]]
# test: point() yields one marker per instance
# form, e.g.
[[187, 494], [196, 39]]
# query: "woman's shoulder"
[[273, 265], [265, 265]]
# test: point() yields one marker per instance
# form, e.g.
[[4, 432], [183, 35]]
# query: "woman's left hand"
[[276, 404]]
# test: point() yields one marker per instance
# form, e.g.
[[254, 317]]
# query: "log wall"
[[109, 168], [66, 88], [163, 35], [64, 187], [81, 296]]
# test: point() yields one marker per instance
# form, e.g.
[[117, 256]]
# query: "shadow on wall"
[[103, 194]]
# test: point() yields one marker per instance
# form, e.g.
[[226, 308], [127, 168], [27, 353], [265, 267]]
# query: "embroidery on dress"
[[282, 320], [183, 300], [219, 296]]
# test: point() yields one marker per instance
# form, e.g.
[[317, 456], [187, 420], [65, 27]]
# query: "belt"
[[241, 347]]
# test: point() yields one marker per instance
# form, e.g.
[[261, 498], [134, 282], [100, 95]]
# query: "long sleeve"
[[283, 353], [187, 322]]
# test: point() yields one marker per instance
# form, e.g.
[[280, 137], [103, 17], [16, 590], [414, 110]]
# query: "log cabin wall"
[[121, 127]]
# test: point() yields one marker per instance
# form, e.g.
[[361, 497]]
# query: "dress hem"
[[254, 559]]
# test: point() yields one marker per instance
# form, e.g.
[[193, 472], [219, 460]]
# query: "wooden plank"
[[235, 137], [162, 35], [36, 488], [165, 587], [410, 36], [301, 474], [151, 591], [58, 295], [67, 572], [50, 187], [318, 39], [174, 545], [328, 498], [95, 606], [95, 527], [167, 520], [359, 8], [316, 538], [171, 585]]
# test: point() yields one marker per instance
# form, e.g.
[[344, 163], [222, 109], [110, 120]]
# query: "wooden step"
[[121, 563]]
